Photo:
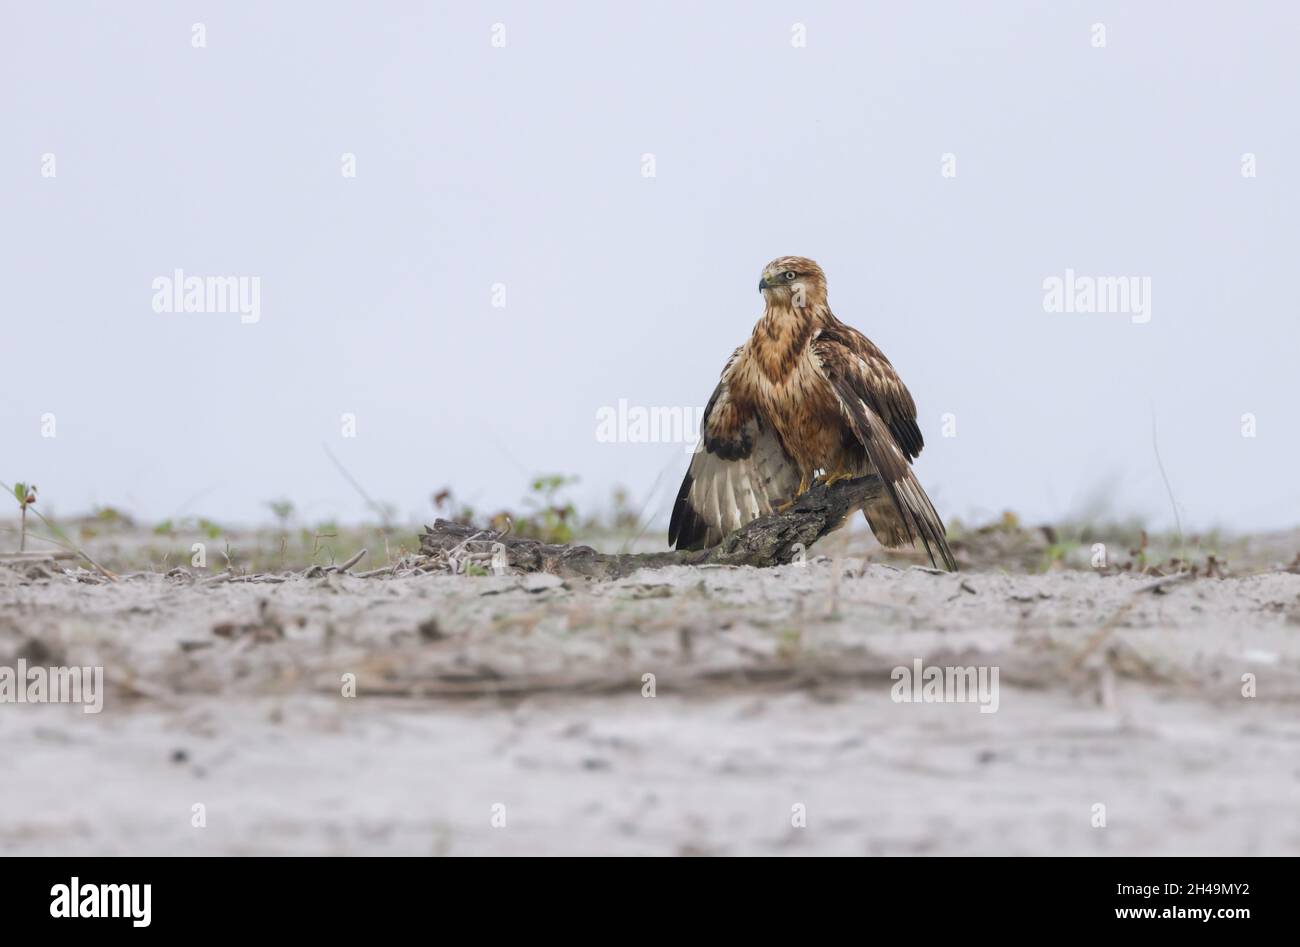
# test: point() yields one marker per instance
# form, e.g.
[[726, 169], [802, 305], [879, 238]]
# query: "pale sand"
[[768, 697]]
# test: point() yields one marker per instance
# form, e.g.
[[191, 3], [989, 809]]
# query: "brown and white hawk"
[[805, 396]]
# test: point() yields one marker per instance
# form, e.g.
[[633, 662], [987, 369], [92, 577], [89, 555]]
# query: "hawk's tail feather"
[[907, 517], [914, 514]]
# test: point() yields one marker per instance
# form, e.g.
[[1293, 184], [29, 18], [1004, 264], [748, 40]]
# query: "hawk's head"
[[793, 281]]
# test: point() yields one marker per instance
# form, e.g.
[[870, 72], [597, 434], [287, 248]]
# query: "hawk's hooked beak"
[[765, 283]]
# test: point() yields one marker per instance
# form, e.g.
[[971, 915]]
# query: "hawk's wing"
[[739, 470], [880, 412]]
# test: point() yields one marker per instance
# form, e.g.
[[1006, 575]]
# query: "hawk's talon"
[[829, 480]]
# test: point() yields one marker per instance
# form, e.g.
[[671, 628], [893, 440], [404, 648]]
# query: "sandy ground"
[[520, 699]]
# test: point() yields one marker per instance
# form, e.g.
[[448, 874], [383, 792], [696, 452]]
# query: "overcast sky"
[[516, 158]]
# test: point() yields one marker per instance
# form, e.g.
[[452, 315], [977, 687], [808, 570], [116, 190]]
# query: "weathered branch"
[[767, 541]]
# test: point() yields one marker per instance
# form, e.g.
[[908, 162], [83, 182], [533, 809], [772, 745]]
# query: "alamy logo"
[[1126, 294], [181, 293], [53, 685], [78, 900], [942, 685], [659, 424]]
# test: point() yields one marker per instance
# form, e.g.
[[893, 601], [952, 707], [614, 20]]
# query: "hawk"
[[806, 397]]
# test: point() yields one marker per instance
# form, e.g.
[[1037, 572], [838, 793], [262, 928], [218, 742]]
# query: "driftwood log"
[[770, 540]]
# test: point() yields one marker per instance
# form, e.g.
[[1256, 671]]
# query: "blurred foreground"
[[477, 700]]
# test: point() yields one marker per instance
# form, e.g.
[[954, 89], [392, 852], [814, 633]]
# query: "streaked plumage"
[[806, 394]]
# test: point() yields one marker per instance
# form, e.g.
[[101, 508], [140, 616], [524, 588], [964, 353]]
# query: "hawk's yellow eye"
[[789, 274]]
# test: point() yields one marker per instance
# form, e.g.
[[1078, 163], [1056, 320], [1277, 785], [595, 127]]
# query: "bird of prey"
[[805, 396]]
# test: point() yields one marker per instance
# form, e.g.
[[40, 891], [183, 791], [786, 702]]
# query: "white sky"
[[522, 165]]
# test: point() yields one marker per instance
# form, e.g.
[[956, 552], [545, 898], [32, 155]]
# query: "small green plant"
[[549, 517], [25, 493], [1140, 553], [111, 516], [326, 530], [1058, 554], [282, 509]]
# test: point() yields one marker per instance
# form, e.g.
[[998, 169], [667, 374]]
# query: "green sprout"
[[25, 493], [550, 518], [282, 509]]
